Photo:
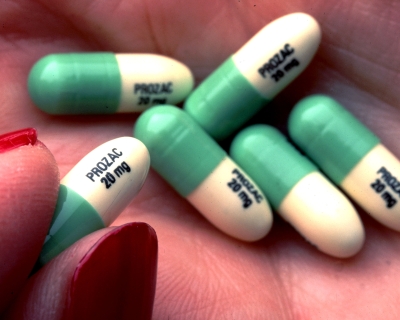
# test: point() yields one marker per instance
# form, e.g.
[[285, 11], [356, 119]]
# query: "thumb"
[[28, 196]]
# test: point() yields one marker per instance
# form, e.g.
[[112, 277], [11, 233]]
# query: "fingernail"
[[13, 140], [116, 279]]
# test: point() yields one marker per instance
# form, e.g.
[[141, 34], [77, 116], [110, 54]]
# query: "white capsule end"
[[150, 79], [374, 184], [110, 176], [279, 52], [232, 202], [324, 216]]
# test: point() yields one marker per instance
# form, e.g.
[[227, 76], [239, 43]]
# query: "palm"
[[202, 273]]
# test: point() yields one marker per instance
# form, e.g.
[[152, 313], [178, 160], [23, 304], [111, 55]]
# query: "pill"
[[298, 191], [103, 83], [255, 74], [202, 172], [95, 192], [350, 154]]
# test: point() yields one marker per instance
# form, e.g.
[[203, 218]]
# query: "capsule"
[[196, 166], [254, 75], [103, 83], [298, 191], [95, 192], [350, 154]]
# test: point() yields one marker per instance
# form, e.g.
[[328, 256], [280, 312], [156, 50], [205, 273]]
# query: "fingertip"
[[109, 274], [29, 193]]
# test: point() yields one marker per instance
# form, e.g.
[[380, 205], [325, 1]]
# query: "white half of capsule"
[[150, 79], [110, 176], [282, 49], [324, 216], [374, 184], [231, 201]]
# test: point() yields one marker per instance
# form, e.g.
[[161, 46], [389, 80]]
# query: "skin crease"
[[203, 274]]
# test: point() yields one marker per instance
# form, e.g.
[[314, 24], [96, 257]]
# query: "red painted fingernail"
[[12, 140], [116, 279]]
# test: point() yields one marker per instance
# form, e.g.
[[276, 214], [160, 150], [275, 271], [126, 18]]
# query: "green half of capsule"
[[180, 151], [274, 164], [330, 135], [234, 98], [73, 219], [70, 83]]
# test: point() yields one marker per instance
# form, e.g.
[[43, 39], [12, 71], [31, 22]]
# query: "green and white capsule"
[[254, 75], [350, 154], [103, 83], [196, 166], [95, 192], [298, 191]]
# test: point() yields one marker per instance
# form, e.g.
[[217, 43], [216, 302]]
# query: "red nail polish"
[[116, 279], [17, 139]]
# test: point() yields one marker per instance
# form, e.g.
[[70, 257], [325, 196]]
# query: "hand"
[[203, 273]]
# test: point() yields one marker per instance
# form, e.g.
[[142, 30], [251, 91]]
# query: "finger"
[[29, 192], [110, 274]]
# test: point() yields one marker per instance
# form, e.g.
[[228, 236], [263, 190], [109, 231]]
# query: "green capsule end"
[[76, 83], [73, 219], [180, 151], [330, 135], [224, 101], [274, 164]]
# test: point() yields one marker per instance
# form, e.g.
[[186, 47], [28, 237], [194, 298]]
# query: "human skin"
[[202, 273]]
